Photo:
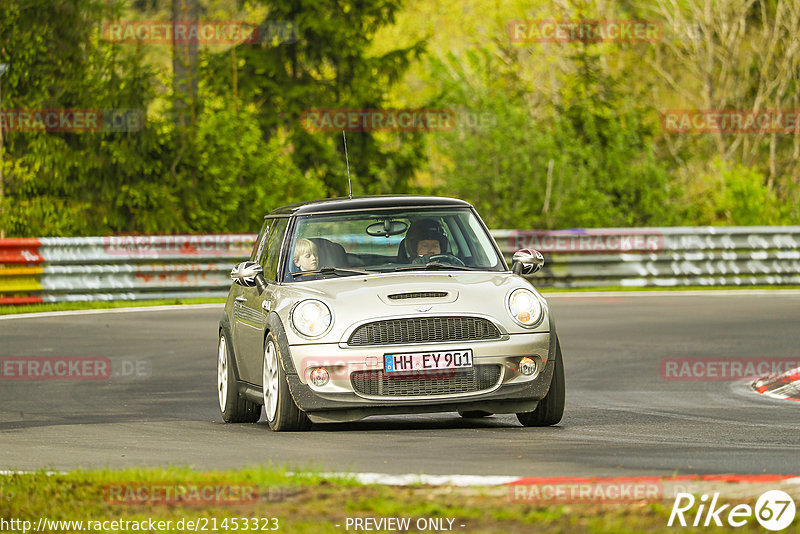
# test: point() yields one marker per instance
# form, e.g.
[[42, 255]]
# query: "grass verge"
[[303, 502]]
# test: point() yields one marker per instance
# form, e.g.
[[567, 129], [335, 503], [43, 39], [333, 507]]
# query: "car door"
[[251, 308]]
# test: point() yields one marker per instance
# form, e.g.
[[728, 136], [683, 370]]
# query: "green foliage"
[[216, 165], [547, 136], [606, 138], [732, 194], [76, 183], [247, 176], [587, 162], [327, 66]]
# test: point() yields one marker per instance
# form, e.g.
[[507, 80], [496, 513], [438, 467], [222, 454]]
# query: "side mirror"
[[249, 274], [527, 261]]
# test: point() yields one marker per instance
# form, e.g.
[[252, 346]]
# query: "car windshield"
[[368, 242]]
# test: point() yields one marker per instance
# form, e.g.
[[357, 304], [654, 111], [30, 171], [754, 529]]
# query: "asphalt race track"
[[622, 416]]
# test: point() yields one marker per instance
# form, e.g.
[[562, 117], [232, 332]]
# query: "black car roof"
[[367, 202]]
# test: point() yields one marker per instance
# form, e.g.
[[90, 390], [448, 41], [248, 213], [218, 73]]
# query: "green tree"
[[586, 161], [69, 183], [326, 64], [244, 176], [219, 175], [732, 194]]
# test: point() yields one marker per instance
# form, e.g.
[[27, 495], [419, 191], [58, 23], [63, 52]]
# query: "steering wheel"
[[438, 258]]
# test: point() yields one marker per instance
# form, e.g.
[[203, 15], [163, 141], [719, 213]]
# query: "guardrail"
[[665, 257], [118, 268], [184, 266]]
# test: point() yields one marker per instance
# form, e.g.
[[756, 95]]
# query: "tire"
[[474, 414], [233, 407], [551, 407], [281, 412]]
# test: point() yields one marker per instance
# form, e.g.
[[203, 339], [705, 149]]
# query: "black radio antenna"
[[347, 160]]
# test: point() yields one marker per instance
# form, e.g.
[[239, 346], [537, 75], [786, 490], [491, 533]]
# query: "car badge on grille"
[[423, 308]]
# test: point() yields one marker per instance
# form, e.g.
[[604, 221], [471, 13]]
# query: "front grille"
[[425, 383], [423, 330], [419, 295]]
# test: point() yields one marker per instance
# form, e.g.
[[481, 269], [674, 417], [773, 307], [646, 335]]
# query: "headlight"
[[524, 307], [312, 318]]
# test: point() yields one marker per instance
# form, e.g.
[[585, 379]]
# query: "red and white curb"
[[780, 385], [386, 479], [574, 489], [477, 480]]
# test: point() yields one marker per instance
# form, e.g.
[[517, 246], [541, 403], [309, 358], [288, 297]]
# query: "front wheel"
[[233, 407], [551, 407], [279, 408]]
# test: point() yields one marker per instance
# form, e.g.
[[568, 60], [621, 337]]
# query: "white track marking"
[[96, 311]]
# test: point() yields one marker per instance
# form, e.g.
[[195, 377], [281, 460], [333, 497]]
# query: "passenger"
[[305, 255]]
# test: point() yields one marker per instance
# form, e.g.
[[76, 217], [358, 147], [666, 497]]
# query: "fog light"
[[320, 376], [527, 366]]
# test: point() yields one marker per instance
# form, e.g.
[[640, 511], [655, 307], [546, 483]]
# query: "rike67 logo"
[[774, 510]]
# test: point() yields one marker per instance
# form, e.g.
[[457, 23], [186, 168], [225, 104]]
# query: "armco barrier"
[[678, 256], [118, 268], [157, 267]]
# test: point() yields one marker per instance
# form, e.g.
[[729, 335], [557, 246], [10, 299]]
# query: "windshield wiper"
[[332, 270], [434, 265]]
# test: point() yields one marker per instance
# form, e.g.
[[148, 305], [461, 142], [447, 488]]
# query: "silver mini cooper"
[[385, 305]]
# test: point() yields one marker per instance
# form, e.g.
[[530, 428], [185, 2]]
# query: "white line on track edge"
[[96, 311]]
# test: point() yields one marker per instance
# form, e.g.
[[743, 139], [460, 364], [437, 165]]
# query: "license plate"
[[427, 361]]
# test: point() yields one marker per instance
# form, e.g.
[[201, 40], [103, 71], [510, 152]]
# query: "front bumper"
[[338, 400]]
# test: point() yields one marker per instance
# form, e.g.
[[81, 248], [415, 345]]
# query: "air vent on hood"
[[419, 295]]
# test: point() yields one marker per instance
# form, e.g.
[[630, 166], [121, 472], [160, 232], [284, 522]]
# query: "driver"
[[429, 245], [425, 238]]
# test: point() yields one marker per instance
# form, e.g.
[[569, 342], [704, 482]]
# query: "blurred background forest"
[[550, 135]]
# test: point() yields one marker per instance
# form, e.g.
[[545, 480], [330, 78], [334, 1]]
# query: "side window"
[[458, 244], [485, 255], [454, 237], [258, 246], [270, 254]]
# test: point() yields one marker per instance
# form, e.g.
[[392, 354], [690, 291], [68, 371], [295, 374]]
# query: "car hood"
[[358, 299]]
